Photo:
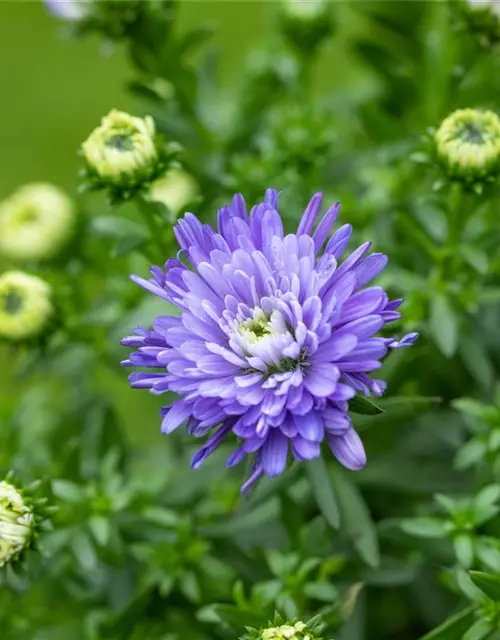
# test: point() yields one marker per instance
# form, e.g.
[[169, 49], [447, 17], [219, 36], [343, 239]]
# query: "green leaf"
[[464, 550], [188, 585], [476, 258], [453, 628], [321, 485], [470, 453], [476, 358], [291, 517], [101, 529], [356, 518], [323, 591], [425, 527], [363, 406], [488, 496], [233, 616], [479, 630], [490, 295], [472, 408], [117, 227], [488, 551], [489, 583], [126, 245], [337, 614], [67, 491], [443, 325]]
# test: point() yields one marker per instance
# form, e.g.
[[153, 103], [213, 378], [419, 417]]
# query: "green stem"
[[155, 230]]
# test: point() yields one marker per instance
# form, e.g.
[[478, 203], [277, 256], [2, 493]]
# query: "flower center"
[[268, 342], [120, 142], [12, 302], [256, 328], [27, 215], [471, 133]]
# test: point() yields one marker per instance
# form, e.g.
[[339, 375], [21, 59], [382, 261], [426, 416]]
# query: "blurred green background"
[[56, 90]]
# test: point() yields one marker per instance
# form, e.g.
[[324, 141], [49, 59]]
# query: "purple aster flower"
[[276, 334]]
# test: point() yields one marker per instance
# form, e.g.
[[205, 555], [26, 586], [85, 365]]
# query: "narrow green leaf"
[[425, 527], [126, 245], [488, 551], [117, 227], [464, 550], [476, 258], [356, 518], [363, 406], [443, 325], [321, 484], [472, 408], [480, 629], [470, 453], [453, 628], [101, 529], [489, 583], [477, 359]]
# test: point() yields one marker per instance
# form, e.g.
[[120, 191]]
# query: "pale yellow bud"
[[36, 221], [122, 149], [25, 306], [175, 190], [468, 144], [16, 523], [304, 9]]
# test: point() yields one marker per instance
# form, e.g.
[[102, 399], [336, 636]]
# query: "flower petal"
[[348, 449]]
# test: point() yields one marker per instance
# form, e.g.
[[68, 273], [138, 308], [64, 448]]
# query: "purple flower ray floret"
[[276, 335]]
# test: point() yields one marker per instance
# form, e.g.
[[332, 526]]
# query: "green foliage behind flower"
[[142, 546]]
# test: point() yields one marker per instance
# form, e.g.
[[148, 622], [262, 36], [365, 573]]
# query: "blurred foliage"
[[141, 545]]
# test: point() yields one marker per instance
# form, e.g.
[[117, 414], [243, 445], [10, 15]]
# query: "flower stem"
[[155, 229]]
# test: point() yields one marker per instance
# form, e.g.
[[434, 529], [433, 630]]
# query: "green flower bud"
[[468, 145], [290, 631], [483, 19], [35, 222], [124, 154], [26, 307], [176, 190], [306, 23], [17, 523]]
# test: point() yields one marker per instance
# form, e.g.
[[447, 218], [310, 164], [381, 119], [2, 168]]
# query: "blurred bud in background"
[[290, 631], [36, 222], [306, 24], [468, 145], [124, 154], [26, 307], [72, 10], [114, 19], [176, 190], [483, 18]]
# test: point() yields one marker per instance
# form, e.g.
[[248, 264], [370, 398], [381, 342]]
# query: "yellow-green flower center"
[[468, 144], [257, 327], [472, 133], [120, 142], [12, 301]]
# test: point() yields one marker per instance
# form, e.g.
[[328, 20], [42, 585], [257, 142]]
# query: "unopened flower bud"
[[306, 23], [17, 523], [124, 153], [290, 631], [26, 307], [70, 10], [36, 222], [483, 19], [176, 190], [468, 145]]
